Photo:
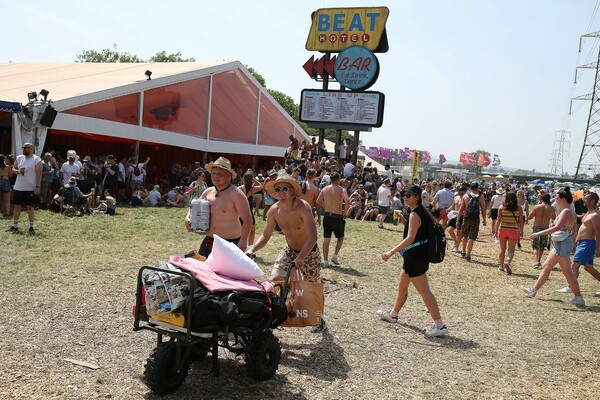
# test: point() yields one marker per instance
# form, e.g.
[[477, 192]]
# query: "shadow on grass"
[[446, 341], [347, 270], [232, 383], [327, 354]]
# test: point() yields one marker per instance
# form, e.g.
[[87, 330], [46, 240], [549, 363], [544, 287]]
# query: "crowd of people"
[[308, 191]]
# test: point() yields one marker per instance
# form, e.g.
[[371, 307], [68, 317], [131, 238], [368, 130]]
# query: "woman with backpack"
[[509, 230], [416, 263]]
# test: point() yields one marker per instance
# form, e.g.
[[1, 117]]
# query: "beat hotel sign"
[[334, 29]]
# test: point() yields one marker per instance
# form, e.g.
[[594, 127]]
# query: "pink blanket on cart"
[[211, 280]]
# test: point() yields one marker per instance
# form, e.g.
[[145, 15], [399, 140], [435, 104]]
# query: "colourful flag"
[[467, 158], [363, 149], [384, 153], [425, 157], [496, 160], [406, 154], [484, 160], [373, 152], [442, 159]]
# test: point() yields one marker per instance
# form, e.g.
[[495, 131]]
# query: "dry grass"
[[68, 292]]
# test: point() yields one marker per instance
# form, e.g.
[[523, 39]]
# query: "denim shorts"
[[5, 185], [564, 248]]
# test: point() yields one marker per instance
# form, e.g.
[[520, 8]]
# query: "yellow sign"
[[334, 29], [415, 169]]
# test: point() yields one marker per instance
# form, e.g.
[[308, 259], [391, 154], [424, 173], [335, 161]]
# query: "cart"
[[179, 342]]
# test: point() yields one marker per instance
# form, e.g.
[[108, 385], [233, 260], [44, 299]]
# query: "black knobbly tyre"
[[162, 375], [263, 356]]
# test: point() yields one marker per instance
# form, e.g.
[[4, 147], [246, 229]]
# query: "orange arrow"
[[308, 67], [329, 66], [318, 66]]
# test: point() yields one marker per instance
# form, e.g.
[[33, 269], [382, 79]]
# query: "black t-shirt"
[[111, 180]]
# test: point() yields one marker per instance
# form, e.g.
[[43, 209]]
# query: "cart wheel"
[[161, 374], [263, 356]]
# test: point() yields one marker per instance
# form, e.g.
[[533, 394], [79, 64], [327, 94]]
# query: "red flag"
[[471, 159], [442, 159], [484, 160]]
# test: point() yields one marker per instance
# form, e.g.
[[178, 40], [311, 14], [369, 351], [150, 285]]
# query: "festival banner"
[[496, 161], [442, 159], [415, 166], [363, 149], [373, 152], [484, 160], [385, 153]]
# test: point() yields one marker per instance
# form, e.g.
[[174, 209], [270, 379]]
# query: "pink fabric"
[[212, 281]]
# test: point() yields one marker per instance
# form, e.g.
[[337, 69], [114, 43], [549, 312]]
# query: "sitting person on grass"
[[107, 205]]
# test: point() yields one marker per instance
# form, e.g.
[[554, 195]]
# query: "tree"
[[115, 56], [162, 56], [257, 76]]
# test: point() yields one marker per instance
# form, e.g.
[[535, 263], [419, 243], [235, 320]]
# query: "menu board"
[[341, 106]]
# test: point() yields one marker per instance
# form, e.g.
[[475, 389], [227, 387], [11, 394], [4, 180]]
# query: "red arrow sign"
[[329, 66], [318, 66], [308, 67]]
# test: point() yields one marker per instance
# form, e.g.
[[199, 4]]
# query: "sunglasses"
[[283, 189], [408, 195]]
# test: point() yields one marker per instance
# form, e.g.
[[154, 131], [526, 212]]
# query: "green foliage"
[[257, 76], [115, 56], [162, 56], [286, 102]]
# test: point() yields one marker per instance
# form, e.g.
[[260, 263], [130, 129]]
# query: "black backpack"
[[473, 207], [436, 243]]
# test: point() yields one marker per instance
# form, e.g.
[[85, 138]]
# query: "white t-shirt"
[[154, 197], [27, 182], [348, 168], [68, 170], [383, 196], [121, 177], [497, 201], [342, 151], [134, 177]]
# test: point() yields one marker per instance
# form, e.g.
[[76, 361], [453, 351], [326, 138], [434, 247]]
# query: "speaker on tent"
[[48, 116]]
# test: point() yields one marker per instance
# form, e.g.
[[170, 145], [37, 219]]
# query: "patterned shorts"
[[540, 242], [311, 269]]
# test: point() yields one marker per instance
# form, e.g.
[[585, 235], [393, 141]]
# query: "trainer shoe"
[[325, 264], [577, 301], [463, 254], [386, 316], [319, 328], [537, 265], [566, 290], [508, 269], [455, 249], [435, 331], [530, 291], [13, 229], [335, 259], [31, 231]]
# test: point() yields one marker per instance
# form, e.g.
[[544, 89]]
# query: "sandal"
[[508, 269]]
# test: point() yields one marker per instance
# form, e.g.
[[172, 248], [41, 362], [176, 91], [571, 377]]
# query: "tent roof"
[[65, 81]]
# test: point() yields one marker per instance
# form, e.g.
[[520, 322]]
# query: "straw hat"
[[283, 177], [500, 191], [221, 162]]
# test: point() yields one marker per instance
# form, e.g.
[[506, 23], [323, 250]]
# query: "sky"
[[459, 76]]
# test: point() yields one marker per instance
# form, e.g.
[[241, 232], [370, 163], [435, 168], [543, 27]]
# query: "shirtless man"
[[588, 240], [309, 192], [454, 223], [228, 204], [333, 197], [295, 218], [542, 215]]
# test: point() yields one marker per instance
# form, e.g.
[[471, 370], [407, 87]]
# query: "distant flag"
[[373, 152], [425, 157], [406, 154], [484, 160], [363, 149], [397, 154], [385, 153], [467, 159], [442, 159], [496, 160]]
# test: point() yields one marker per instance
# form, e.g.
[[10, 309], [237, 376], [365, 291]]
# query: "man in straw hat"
[[295, 218], [228, 205]]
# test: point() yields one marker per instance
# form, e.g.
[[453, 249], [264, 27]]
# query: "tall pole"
[[592, 137], [325, 87]]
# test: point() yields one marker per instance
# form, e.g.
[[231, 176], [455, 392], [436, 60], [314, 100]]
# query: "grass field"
[[68, 293]]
